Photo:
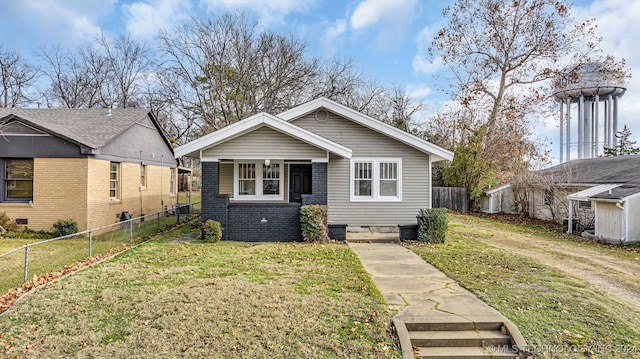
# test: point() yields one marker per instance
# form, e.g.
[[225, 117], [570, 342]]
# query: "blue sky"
[[387, 38]]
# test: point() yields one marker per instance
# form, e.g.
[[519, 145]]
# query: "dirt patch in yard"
[[612, 269]]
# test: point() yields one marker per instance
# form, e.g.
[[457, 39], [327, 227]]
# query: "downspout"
[[625, 220]]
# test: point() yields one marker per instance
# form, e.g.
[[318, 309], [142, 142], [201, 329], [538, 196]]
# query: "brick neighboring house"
[[256, 173], [89, 165]]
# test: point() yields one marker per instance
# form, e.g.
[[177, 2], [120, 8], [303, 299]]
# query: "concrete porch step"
[[462, 338], [465, 352], [448, 324]]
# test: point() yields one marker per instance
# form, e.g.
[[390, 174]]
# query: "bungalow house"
[[599, 194], [89, 165], [256, 173]]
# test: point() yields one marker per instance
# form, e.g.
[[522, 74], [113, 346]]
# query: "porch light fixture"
[[267, 162]]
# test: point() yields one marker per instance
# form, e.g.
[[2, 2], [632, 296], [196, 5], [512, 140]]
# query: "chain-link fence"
[[46, 256]]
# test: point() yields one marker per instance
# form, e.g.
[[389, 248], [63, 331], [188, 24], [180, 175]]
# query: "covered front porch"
[[258, 200]]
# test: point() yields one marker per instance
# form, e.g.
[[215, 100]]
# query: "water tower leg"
[[568, 130], [615, 120], [561, 129], [596, 117], [580, 127], [588, 129]]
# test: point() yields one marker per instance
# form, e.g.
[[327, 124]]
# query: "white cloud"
[[421, 62], [56, 21], [332, 35], [270, 11], [370, 12], [146, 18], [420, 91]]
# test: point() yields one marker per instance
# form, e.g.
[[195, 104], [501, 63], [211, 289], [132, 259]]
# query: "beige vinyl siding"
[[368, 143], [609, 220], [226, 178], [265, 143]]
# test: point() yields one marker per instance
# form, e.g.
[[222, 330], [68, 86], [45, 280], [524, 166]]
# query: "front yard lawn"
[[190, 299]]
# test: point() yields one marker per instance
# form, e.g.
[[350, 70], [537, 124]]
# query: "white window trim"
[[375, 183], [258, 196]]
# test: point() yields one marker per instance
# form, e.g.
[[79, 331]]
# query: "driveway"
[[616, 274]]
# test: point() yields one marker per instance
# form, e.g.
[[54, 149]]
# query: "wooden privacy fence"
[[452, 198]]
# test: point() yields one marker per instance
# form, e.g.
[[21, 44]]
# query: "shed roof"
[[586, 194], [618, 193], [92, 127]]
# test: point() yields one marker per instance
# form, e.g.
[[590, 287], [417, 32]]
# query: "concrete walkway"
[[406, 280], [422, 293]]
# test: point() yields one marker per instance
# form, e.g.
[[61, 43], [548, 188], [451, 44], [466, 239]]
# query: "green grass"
[[52, 256], [221, 300], [550, 307]]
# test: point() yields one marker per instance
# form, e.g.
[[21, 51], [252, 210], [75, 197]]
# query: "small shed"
[[616, 214], [498, 200]]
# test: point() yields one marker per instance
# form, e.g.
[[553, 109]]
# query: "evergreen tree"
[[624, 147]]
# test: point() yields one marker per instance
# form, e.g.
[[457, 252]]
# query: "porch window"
[[114, 180], [271, 179], [18, 180], [375, 179], [258, 181], [247, 179]]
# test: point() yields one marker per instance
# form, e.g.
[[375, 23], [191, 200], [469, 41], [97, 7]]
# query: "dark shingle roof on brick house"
[[93, 128]]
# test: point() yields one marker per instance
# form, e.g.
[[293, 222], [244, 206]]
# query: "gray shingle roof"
[[600, 170], [618, 192], [91, 127]]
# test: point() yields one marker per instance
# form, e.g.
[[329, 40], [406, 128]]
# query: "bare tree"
[[17, 76], [70, 80], [230, 69], [499, 55]]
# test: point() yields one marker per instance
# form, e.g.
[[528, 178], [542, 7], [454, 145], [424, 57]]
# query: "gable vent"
[[322, 115]]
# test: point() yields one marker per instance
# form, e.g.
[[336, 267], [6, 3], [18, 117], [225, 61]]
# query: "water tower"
[[582, 88]]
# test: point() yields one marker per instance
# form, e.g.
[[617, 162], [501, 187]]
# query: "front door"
[[299, 181]]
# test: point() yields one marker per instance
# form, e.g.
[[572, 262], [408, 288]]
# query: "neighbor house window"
[[548, 197], [172, 181], [584, 204], [143, 175], [376, 179], [114, 180], [18, 180], [258, 180]]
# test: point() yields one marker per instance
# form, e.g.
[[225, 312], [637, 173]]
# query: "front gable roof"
[[194, 148], [437, 153], [92, 128]]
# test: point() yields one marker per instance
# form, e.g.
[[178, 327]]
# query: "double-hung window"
[[172, 181], [258, 180], [18, 180], [376, 179], [114, 180]]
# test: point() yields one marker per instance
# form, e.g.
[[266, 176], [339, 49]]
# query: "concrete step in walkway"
[[437, 318], [372, 237]]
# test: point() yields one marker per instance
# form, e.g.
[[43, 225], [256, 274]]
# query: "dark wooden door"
[[299, 182]]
